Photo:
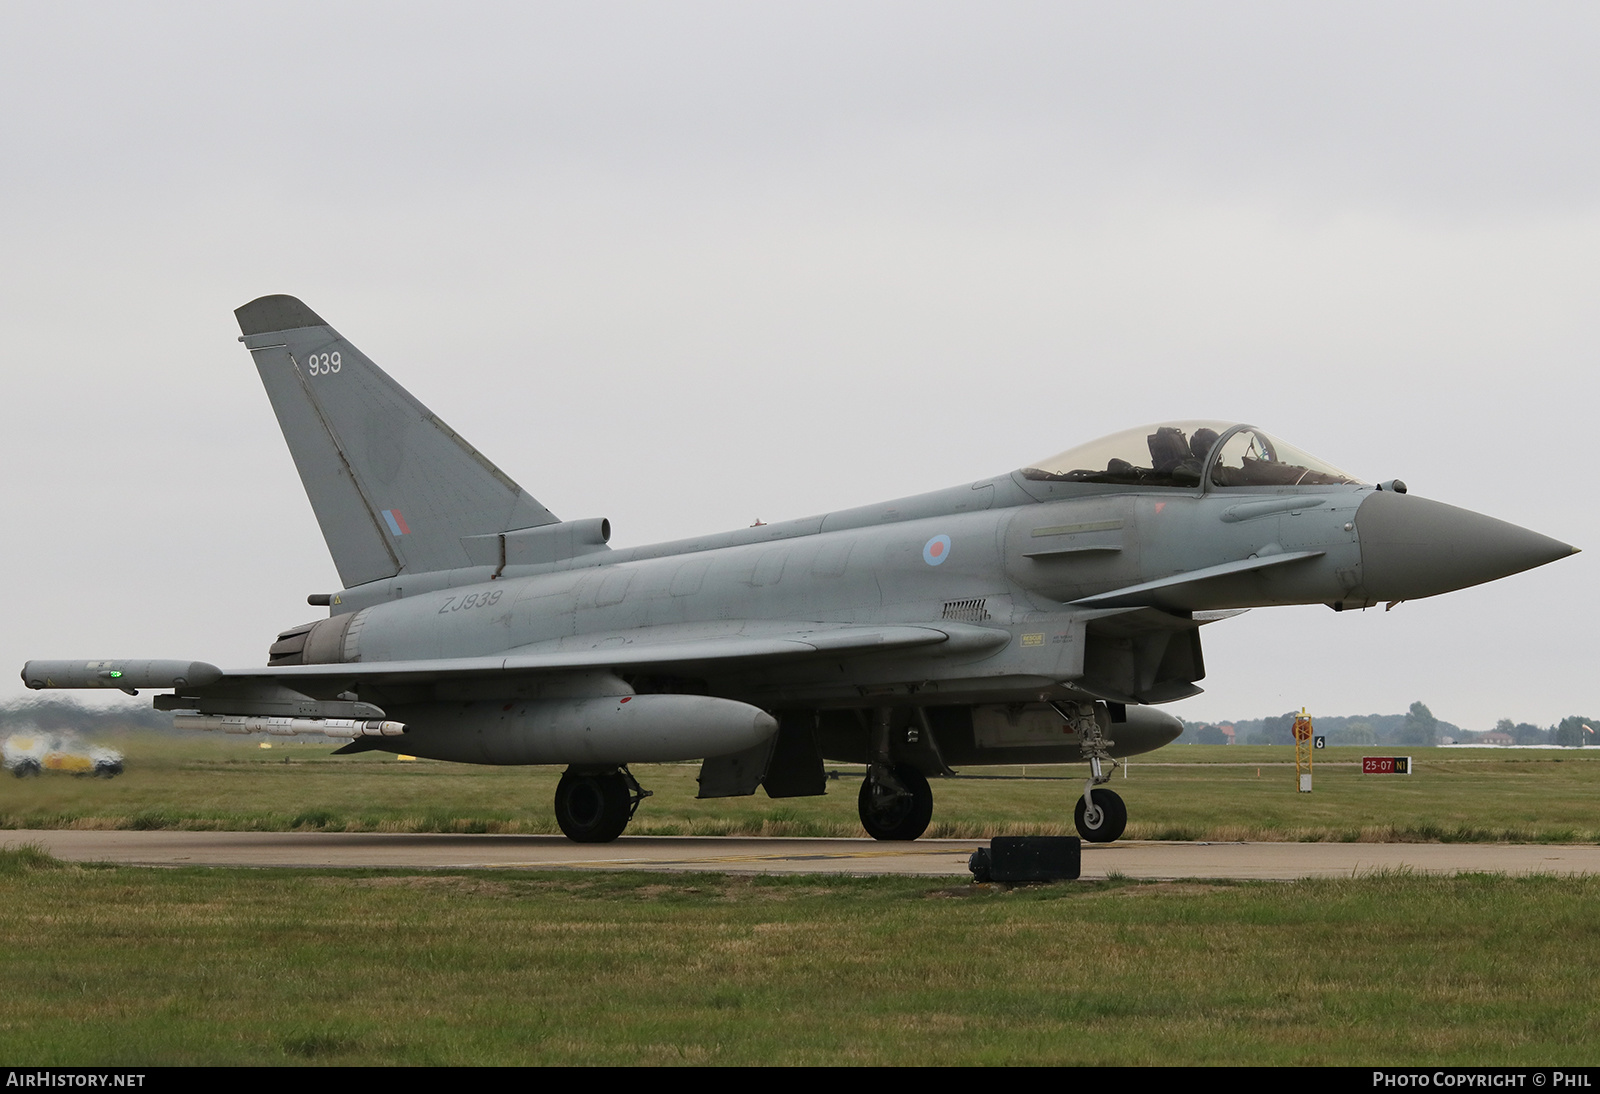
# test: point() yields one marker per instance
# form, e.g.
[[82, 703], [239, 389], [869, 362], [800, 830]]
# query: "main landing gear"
[[896, 802], [594, 807]]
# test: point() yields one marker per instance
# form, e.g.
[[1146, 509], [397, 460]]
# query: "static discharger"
[[345, 728], [1303, 750]]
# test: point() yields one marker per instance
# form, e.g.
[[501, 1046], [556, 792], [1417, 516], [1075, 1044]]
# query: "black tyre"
[[592, 808], [890, 816], [26, 769], [1110, 819]]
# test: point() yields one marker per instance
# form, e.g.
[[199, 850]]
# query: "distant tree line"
[[1575, 729], [1416, 726], [65, 714]]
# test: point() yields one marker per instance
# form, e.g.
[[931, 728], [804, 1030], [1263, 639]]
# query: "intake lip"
[[1412, 547]]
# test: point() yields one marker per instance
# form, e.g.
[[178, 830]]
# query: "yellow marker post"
[[1303, 750]]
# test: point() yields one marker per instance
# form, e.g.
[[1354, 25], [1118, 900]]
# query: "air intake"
[[966, 611]]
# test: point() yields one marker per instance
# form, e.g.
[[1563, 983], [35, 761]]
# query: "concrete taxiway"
[[1152, 860]]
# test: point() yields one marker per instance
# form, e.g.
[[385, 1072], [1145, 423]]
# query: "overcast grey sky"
[[688, 265]]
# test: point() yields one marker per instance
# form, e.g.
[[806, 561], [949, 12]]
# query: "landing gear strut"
[[896, 803], [595, 807], [1100, 814]]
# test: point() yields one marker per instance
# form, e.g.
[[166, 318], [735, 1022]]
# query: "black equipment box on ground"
[[1028, 858]]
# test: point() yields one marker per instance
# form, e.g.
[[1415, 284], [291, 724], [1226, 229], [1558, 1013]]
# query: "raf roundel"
[[936, 550]]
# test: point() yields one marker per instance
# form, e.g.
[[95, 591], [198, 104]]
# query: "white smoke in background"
[[30, 752]]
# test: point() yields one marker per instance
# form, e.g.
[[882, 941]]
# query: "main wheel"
[[886, 814], [1106, 823], [592, 808]]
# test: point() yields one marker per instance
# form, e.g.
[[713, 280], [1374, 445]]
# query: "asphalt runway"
[[1151, 860]]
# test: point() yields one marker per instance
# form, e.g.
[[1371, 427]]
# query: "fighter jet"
[[1038, 616]]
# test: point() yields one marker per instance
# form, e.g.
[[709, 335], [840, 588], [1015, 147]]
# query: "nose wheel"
[[895, 803], [1101, 819]]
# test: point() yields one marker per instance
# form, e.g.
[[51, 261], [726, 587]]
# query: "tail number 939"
[[322, 364]]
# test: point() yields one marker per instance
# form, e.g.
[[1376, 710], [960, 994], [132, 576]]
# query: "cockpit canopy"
[[1185, 454]]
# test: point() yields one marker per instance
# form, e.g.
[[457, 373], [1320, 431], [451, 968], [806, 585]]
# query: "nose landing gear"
[[1100, 814]]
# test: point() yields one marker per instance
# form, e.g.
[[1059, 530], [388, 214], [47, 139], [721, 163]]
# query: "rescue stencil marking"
[[936, 550]]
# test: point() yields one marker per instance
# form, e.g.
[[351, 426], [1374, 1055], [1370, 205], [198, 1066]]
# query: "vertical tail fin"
[[393, 487]]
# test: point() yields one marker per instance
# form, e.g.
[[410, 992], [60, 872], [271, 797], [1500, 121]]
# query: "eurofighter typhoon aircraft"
[[1033, 617]]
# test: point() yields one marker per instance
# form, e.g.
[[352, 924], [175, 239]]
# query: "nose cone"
[[1412, 547]]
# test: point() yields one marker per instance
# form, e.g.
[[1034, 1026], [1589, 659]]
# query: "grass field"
[[1182, 792], [127, 966], [130, 967]]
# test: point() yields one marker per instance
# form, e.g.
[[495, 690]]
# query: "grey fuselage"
[[1017, 554]]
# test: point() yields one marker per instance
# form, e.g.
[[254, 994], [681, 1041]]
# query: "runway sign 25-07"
[[1386, 765]]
